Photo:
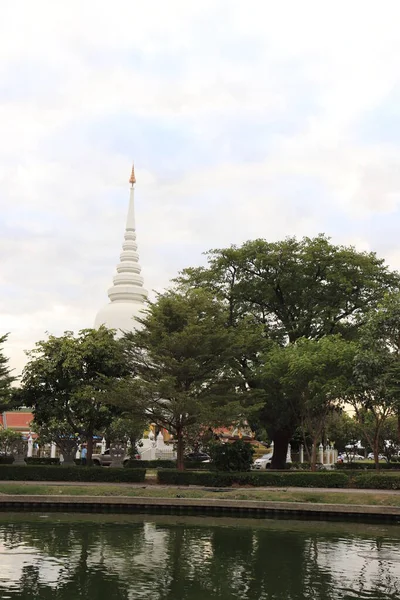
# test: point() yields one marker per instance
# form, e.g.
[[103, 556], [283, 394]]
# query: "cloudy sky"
[[245, 119]]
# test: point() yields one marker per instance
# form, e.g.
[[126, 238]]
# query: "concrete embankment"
[[201, 506]]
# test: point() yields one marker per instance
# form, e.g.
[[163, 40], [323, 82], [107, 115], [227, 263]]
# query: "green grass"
[[373, 498]]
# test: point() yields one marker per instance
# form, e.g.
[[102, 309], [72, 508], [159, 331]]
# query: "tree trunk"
[[281, 443], [376, 452], [314, 455], [89, 446], [179, 450]]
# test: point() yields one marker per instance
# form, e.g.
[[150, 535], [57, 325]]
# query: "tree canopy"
[[282, 291], [178, 361], [67, 378]]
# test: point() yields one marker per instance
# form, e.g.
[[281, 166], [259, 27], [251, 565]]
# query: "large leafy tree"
[[374, 391], [178, 361], [67, 379], [287, 290], [306, 380], [6, 379]]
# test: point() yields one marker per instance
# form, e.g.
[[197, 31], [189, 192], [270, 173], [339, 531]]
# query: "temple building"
[[127, 294]]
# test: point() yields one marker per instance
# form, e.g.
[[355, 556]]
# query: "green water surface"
[[100, 557]]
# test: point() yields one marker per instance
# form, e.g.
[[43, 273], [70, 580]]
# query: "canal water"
[[108, 557]]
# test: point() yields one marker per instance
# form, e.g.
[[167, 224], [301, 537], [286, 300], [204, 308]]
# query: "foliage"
[[377, 482], [284, 291], [365, 466], [342, 430], [41, 460], [180, 376], [7, 438], [237, 456], [260, 479], [6, 459], [63, 473], [374, 392], [67, 379], [306, 379], [6, 379], [126, 428], [61, 433], [150, 464]]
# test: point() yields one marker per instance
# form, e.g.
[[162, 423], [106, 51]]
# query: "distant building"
[[19, 421]]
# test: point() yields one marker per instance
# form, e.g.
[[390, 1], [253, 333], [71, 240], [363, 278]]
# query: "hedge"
[[57, 473], [150, 464], [33, 460], [6, 459], [360, 466], [259, 479], [166, 464], [377, 482]]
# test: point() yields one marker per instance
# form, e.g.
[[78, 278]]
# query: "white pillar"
[[289, 454], [53, 450], [301, 453], [321, 454], [30, 446], [103, 445]]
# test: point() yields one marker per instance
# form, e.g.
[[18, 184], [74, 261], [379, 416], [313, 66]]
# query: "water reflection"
[[112, 558]]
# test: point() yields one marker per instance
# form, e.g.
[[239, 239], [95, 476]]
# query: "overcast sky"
[[244, 118]]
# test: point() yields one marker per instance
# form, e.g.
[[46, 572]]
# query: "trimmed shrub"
[[57, 473], [192, 465], [33, 460], [234, 457], [150, 464], [6, 459], [256, 479], [377, 482], [359, 466]]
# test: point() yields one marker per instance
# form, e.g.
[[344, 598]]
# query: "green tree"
[[61, 433], [342, 430], [68, 378], [6, 379], [305, 381], [374, 392], [180, 376], [285, 291]]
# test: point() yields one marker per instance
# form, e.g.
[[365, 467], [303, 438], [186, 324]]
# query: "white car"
[[380, 457], [350, 457], [262, 463]]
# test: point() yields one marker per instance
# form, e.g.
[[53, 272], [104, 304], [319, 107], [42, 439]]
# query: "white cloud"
[[249, 126]]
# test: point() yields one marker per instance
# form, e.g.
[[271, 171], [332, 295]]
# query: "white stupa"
[[127, 295]]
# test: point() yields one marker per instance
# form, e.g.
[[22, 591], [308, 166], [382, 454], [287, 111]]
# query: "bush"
[[359, 466], [234, 457], [252, 478], [150, 464], [6, 459], [377, 482], [58, 473], [34, 460]]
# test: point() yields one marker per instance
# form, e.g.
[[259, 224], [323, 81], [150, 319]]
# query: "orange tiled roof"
[[18, 420]]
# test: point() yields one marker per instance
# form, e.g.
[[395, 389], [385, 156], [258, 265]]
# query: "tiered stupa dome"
[[127, 295]]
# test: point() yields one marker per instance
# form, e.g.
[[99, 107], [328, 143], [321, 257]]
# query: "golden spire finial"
[[133, 178]]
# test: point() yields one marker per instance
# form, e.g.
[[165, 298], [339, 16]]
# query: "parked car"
[[264, 462], [198, 457], [380, 456], [344, 457], [104, 459]]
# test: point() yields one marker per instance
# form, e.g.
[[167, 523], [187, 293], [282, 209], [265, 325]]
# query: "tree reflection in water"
[[180, 559]]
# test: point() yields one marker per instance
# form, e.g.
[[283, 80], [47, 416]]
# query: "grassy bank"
[[373, 498]]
